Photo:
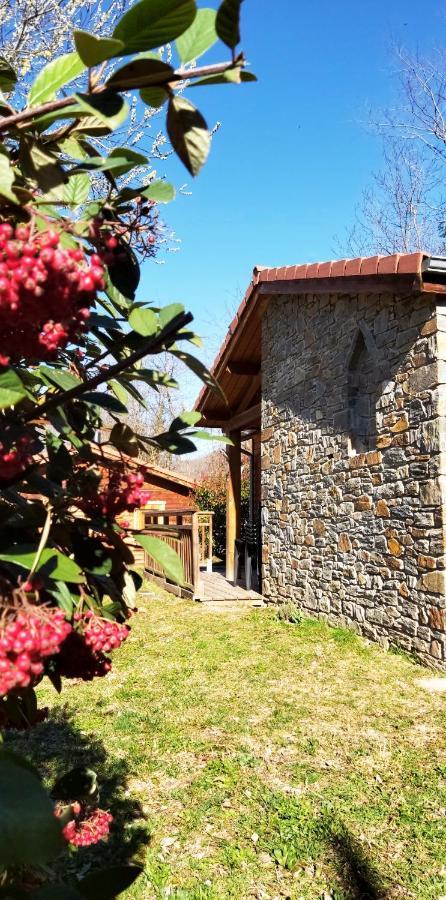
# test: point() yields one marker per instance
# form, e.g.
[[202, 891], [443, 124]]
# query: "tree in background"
[[76, 220], [405, 207], [212, 475]]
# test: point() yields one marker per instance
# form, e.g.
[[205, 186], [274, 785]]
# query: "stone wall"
[[357, 537]]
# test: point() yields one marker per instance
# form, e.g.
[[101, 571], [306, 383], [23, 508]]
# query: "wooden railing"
[[205, 520], [189, 533]]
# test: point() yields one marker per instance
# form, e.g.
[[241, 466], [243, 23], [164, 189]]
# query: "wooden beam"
[[248, 417], [243, 367], [345, 285], [233, 499]]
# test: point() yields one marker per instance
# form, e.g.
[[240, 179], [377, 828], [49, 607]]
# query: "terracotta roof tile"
[[312, 270], [388, 265], [338, 268], [410, 262], [324, 270], [369, 265], [353, 266]]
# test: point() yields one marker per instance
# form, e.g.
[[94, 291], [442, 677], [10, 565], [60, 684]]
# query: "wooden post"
[[195, 553], [233, 498], [210, 538]]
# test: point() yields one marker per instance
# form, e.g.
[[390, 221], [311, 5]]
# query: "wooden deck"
[[214, 586]]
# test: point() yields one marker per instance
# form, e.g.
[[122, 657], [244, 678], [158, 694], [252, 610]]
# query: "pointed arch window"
[[363, 392]]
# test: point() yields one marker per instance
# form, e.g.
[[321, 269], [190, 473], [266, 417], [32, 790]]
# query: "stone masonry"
[[357, 537]]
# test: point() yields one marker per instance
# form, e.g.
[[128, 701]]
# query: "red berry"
[[25, 642], [45, 291]]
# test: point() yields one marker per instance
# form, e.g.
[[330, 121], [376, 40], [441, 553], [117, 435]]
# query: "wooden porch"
[[214, 586], [189, 533]]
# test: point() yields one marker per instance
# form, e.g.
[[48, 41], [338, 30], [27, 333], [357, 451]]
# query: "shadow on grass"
[[56, 746], [359, 877]]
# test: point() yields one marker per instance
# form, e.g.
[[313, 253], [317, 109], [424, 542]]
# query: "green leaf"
[[197, 367], [199, 37], [167, 313], [130, 160], [55, 75], [173, 442], [30, 832], [77, 190], [90, 125], [210, 436], [104, 401], [73, 148], [125, 274], [124, 438], [108, 107], [119, 391], [167, 558], [119, 300], [228, 22], [151, 23], [159, 191], [184, 420], [236, 75], [53, 564], [94, 50], [144, 321], [140, 73], [8, 76], [108, 883], [64, 599], [43, 166], [119, 161], [12, 390], [7, 179], [188, 133], [59, 377], [67, 112], [154, 96]]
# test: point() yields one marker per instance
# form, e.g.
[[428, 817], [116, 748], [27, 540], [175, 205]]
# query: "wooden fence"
[[189, 533]]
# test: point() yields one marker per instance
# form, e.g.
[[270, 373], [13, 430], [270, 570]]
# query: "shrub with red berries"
[[16, 454], [75, 345], [86, 829], [122, 493], [102, 635], [25, 642], [76, 659], [82, 654], [46, 291]]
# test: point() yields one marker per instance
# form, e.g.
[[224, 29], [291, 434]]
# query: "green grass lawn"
[[249, 758]]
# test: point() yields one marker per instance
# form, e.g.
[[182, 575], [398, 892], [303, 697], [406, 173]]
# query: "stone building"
[[338, 371]]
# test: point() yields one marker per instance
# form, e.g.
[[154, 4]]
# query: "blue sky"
[[293, 152]]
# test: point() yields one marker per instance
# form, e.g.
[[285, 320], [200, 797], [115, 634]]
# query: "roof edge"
[[420, 265]]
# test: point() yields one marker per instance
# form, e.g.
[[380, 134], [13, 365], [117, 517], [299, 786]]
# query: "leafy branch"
[[167, 78], [152, 346]]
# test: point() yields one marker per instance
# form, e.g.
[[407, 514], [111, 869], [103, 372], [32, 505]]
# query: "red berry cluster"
[[45, 292], [77, 660], [85, 830], [103, 635], [24, 644], [123, 492], [15, 456]]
